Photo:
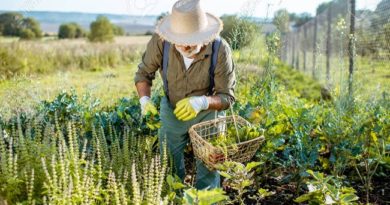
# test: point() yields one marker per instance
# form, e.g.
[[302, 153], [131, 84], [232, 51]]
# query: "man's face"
[[188, 51]]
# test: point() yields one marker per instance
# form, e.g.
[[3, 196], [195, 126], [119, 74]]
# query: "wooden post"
[[298, 49], [315, 49], [328, 43], [351, 47], [304, 47], [285, 47], [293, 49]]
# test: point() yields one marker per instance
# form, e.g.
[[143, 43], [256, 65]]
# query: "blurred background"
[[47, 46]]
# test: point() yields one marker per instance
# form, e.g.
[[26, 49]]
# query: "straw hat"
[[189, 24]]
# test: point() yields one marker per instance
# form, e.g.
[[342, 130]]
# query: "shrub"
[[118, 31], [27, 34], [70, 30], [239, 32], [14, 24], [101, 30]]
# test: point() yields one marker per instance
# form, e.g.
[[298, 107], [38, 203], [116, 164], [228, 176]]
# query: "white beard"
[[191, 53]]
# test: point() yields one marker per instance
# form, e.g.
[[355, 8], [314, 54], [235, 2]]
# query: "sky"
[[257, 8]]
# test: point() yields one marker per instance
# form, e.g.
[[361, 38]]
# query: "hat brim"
[[202, 37]]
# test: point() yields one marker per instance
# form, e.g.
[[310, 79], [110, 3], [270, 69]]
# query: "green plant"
[[327, 190], [238, 31], [175, 188], [238, 177], [235, 136], [203, 197], [374, 146]]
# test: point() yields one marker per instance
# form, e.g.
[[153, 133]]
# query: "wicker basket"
[[202, 133]]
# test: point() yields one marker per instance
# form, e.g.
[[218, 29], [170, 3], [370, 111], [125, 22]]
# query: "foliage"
[[322, 7], [27, 34], [14, 24], [238, 177], [161, 16], [118, 31], [31, 25], [304, 86], [10, 23], [45, 155], [300, 19], [236, 135], [101, 149], [381, 12], [67, 107], [71, 30], [238, 31], [101, 30], [203, 197], [327, 190], [282, 20]]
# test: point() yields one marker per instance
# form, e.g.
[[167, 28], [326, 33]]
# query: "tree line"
[[13, 24], [237, 31]]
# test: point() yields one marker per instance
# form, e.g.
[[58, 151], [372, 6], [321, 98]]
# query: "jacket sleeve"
[[151, 61], [225, 78]]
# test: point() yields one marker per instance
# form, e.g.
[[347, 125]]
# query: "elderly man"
[[197, 70]]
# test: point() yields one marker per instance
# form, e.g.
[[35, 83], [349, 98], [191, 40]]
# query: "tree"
[[101, 30], [67, 31], [300, 19], [10, 23], [282, 20], [27, 34], [381, 14], [32, 25], [70, 30], [239, 32], [14, 24], [161, 16], [118, 31], [322, 7]]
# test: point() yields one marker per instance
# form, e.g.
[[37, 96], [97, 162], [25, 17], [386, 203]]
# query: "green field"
[[319, 145], [24, 93]]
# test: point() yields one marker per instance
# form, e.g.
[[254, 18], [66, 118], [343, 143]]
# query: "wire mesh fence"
[[343, 46]]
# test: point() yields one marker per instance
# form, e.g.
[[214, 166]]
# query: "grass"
[[129, 40], [371, 76], [8, 39], [24, 93], [106, 71], [22, 58]]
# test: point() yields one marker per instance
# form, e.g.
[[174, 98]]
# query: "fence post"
[[328, 43], [351, 47], [315, 47], [304, 47], [298, 48], [286, 46], [293, 49]]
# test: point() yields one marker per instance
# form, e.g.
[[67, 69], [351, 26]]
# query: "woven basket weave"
[[202, 133]]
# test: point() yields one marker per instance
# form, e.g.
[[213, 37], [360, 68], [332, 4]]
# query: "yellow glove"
[[188, 108], [147, 106], [150, 111]]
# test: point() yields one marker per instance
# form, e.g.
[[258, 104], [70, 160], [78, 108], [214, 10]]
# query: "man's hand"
[[147, 106], [149, 111], [188, 108]]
